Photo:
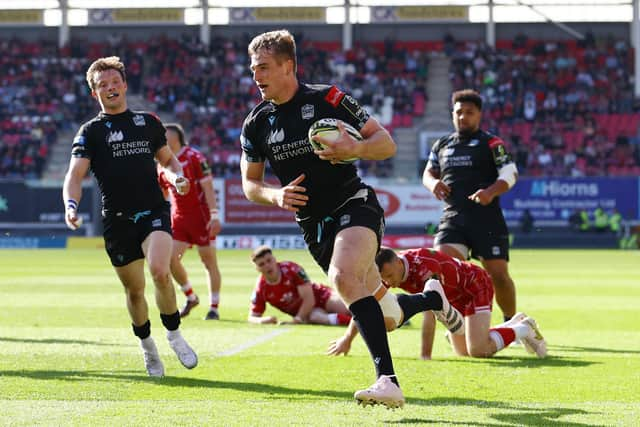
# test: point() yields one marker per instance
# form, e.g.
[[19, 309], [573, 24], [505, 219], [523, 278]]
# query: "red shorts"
[[322, 294], [191, 229], [480, 294]]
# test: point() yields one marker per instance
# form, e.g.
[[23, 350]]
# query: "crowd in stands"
[[210, 92], [567, 107], [41, 93]]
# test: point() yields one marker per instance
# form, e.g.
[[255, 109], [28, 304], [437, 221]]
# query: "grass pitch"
[[68, 356]]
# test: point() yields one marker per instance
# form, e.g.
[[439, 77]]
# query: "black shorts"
[[358, 212], [124, 233], [486, 234]]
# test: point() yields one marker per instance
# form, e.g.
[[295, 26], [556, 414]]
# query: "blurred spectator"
[[600, 220], [526, 221]]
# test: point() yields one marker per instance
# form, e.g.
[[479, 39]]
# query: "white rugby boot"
[[449, 316], [152, 361], [383, 392], [185, 353], [534, 341], [517, 318]]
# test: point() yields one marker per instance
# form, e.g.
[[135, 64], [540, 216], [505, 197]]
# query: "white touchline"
[[252, 343]]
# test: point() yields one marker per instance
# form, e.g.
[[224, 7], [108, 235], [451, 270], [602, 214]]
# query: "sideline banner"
[[408, 204], [403, 205], [553, 200], [239, 210], [441, 13], [21, 202], [33, 242], [295, 241]]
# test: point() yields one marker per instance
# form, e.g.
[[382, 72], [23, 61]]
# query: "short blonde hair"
[[104, 64], [279, 43], [260, 251]]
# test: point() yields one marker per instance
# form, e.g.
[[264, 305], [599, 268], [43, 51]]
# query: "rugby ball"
[[328, 129]]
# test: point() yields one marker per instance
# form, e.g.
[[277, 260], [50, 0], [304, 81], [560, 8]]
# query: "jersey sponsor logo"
[[79, 140], [473, 143], [286, 298], [276, 136], [115, 136], [307, 111], [334, 96], [138, 120]]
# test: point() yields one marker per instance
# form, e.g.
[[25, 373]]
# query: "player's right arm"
[[72, 189], [290, 197], [259, 320], [428, 335], [343, 344], [431, 175], [258, 307]]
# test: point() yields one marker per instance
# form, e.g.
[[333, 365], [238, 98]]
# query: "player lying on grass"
[[468, 288], [286, 286]]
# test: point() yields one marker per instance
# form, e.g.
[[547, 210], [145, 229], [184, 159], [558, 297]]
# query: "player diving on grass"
[[469, 290]]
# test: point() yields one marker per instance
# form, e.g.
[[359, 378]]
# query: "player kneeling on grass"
[[398, 309], [286, 286], [469, 289]]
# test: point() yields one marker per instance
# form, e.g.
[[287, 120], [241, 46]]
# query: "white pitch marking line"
[[252, 343]]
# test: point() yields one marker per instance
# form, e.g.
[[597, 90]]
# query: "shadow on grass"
[[513, 415], [523, 362], [269, 390], [53, 341], [592, 349]]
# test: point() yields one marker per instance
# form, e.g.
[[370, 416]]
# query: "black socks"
[[368, 317], [171, 321], [412, 304], [143, 331]]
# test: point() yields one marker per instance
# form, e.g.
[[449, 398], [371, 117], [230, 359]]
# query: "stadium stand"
[[567, 108]]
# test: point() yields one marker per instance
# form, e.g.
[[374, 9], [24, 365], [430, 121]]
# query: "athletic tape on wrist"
[[72, 204]]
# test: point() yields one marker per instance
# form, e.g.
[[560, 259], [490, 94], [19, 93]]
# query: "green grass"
[[68, 356]]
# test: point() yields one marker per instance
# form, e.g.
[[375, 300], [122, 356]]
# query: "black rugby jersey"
[[278, 133], [121, 148], [467, 164]]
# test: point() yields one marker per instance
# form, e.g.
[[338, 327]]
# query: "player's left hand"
[[482, 197], [344, 147], [338, 347], [214, 227], [182, 185]]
